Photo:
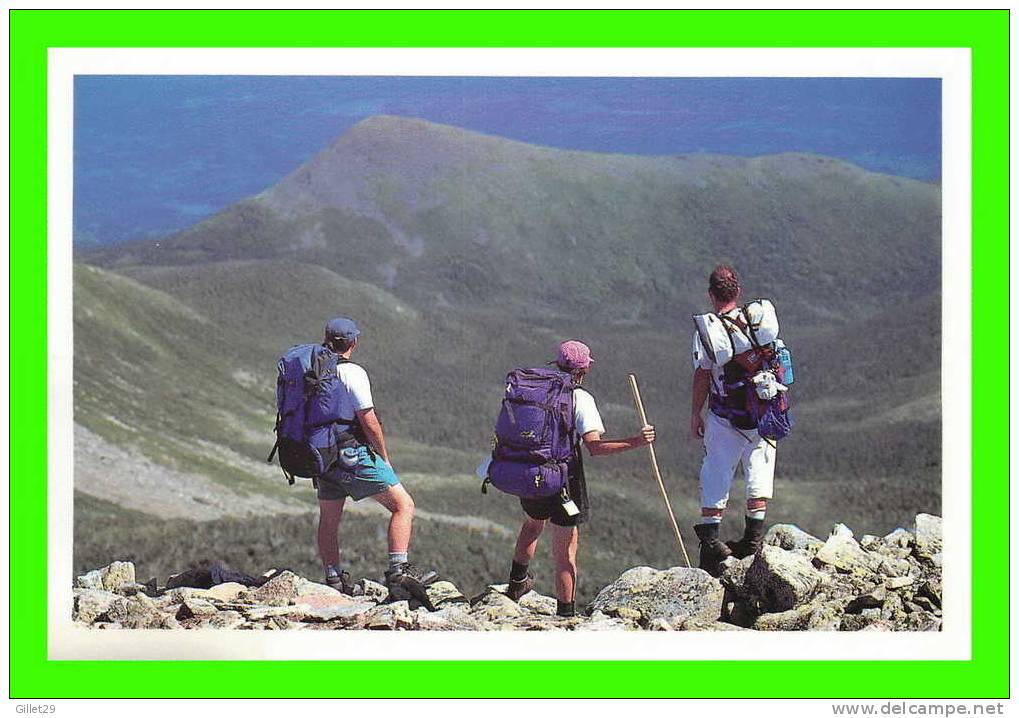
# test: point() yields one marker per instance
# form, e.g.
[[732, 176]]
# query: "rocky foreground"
[[796, 582]]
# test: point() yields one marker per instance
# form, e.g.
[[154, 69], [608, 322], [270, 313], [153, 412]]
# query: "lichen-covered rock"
[[494, 606], [443, 592], [895, 567], [782, 580], [178, 595], [928, 542], [872, 599], [672, 593], [195, 608], [346, 614], [899, 538], [230, 591], [107, 578], [932, 589], [537, 603], [373, 591], [139, 611], [92, 579], [598, 621], [792, 538], [695, 625], [451, 617], [843, 552], [117, 574], [303, 587], [280, 590], [225, 620], [896, 582], [733, 574], [815, 616], [390, 617], [91, 603]]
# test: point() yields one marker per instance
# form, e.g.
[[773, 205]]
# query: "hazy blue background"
[[153, 154]]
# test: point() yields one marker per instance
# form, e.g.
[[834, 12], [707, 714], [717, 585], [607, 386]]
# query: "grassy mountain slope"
[[443, 216]]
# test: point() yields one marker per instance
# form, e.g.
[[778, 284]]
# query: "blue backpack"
[[310, 430], [534, 433]]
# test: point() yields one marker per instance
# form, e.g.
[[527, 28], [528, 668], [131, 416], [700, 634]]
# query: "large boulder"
[[670, 594], [781, 579]]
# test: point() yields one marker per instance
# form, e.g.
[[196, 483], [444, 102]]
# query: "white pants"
[[724, 448]]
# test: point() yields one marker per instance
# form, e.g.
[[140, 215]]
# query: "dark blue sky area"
[[156, 154]]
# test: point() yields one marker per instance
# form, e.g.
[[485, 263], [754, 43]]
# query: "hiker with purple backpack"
[[545, 416], [327, 430]]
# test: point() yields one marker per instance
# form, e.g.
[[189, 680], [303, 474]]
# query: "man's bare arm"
[[373, 432]]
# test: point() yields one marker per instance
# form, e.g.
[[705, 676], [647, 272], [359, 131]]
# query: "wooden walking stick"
[[654, 467]]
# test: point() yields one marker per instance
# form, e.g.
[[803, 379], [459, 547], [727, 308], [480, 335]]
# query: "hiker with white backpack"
[[327, 430], [742, 369], [544, 419]]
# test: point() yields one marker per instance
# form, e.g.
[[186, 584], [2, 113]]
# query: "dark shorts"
[[551, 507], [357, 473]]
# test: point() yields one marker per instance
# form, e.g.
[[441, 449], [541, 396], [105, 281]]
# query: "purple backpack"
[[534, 434]]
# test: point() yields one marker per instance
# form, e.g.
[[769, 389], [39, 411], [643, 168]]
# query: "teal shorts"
[[357, 473]]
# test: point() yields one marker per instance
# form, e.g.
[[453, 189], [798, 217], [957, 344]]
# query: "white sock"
[[759, 515], [396, 558], [711, 519]]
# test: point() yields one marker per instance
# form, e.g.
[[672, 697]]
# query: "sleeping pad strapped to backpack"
[[534, 433], [309, 428]]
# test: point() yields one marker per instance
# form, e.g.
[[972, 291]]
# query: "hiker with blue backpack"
[[327, 430], [743, 370], [544, 419]]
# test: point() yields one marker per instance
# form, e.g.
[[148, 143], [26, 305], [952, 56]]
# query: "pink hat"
[[574, 355]]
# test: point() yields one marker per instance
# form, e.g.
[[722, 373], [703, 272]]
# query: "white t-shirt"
[[585, 414], [358, 394]]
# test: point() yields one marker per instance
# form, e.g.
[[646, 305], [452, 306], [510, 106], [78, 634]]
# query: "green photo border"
[[33, 32]]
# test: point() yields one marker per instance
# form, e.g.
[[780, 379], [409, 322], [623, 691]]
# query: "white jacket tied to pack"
[[720, 345]]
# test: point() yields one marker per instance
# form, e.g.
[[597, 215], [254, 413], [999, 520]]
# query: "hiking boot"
[[713, 551], [753, 539], [341, 582], [516, 589], [410, 578]]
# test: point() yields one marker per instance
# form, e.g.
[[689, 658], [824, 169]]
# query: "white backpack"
[[721, 344]]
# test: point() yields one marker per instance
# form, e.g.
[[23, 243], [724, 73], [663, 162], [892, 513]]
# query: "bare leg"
[[329, 514], [401, 507], [564, 551], [527, 541]]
